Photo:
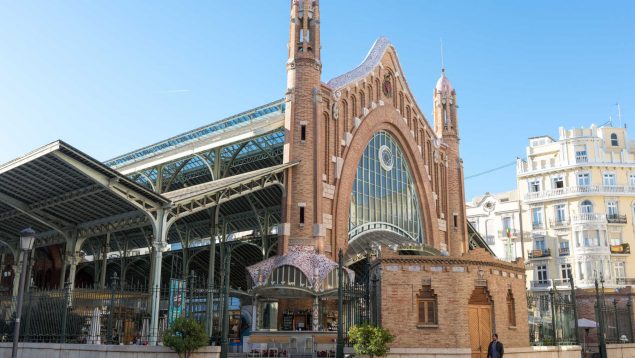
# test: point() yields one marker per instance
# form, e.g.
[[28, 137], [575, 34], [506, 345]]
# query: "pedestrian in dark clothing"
[[495, 349]]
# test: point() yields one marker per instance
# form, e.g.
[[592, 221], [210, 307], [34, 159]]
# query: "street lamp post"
[[27, 238], [340, 309]]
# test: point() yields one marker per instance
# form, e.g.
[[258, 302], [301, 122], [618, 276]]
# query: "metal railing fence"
[[113, 315]]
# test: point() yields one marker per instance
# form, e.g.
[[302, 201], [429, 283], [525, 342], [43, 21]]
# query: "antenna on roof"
[[619, 113], [442, 63]]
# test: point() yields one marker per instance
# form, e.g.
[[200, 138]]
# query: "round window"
[[385, 158]]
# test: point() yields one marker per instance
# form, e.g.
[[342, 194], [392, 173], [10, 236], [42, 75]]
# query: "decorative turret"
[[302, 211], [445, 116], [304, 34], [446, 127]]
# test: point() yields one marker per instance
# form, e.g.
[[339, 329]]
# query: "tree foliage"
[[370, 340], [185, 336]]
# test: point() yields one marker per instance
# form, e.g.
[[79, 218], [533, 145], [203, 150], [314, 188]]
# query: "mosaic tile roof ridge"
[[370, 62]]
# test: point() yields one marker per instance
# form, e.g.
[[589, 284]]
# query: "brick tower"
[[302, 206], [446, 127]]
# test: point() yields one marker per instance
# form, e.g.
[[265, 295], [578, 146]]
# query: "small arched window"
[[614, 141], [511, 309], [586, 207], [345, 114], [353, 106], [362, 102], [427, 306]]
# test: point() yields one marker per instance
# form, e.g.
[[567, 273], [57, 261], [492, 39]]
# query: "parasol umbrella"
[[586, 323], [95, 327]]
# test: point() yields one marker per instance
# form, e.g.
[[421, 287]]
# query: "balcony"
[[535, 254], [563, 251], [581, 159], [559, 224], [616, 219], [576, 190], [624, 249], [562, 283], [541, 284], [588, 218], [538, 225], [625, 281]]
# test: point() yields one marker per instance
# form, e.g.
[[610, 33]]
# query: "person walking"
[[495, 349]]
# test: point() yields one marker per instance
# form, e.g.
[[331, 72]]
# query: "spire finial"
[[442, 63]]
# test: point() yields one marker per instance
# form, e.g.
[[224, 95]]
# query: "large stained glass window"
[[384, 196]]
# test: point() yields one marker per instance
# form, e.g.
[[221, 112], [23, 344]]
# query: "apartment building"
[[578, 201], [496, 217]]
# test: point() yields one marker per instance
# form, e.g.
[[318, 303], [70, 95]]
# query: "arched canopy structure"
[[300, 269]]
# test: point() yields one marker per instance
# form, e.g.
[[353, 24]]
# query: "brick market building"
[[336, 131], [349, 165]]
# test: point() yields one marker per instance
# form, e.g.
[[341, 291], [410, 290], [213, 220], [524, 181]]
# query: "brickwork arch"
[[388, 119]]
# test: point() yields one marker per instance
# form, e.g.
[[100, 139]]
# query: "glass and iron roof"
[[58, 189], [211, 130]]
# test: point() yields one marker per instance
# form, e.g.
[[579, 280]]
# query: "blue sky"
[[112, 76]]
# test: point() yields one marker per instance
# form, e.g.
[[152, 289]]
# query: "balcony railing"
[[572, 190], [541, 284], [559, 224], [625, 281], [537, 225], [534, 254], [563, 251], [524, 167], [616, 219], [581, 159], [561, 282], [621, 249], [588, 217]]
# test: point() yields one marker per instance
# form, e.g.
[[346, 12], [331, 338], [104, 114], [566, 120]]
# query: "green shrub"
[[185, 336], [370, 340]]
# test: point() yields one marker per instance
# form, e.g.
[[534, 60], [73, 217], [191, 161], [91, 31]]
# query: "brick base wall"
[[53, 350], [453, 280]]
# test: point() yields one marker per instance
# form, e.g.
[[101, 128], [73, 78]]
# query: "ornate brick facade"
[[329, 125]]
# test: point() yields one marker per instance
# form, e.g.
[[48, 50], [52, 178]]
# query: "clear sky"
[[112, 76]]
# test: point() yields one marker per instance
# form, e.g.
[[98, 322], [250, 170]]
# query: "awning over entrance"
[[61, 192], [305, 270]]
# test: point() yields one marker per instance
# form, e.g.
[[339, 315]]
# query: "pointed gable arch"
[[395, 109], [382, 63]]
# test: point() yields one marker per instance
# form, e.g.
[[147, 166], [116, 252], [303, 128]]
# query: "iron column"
[[224, 345]]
